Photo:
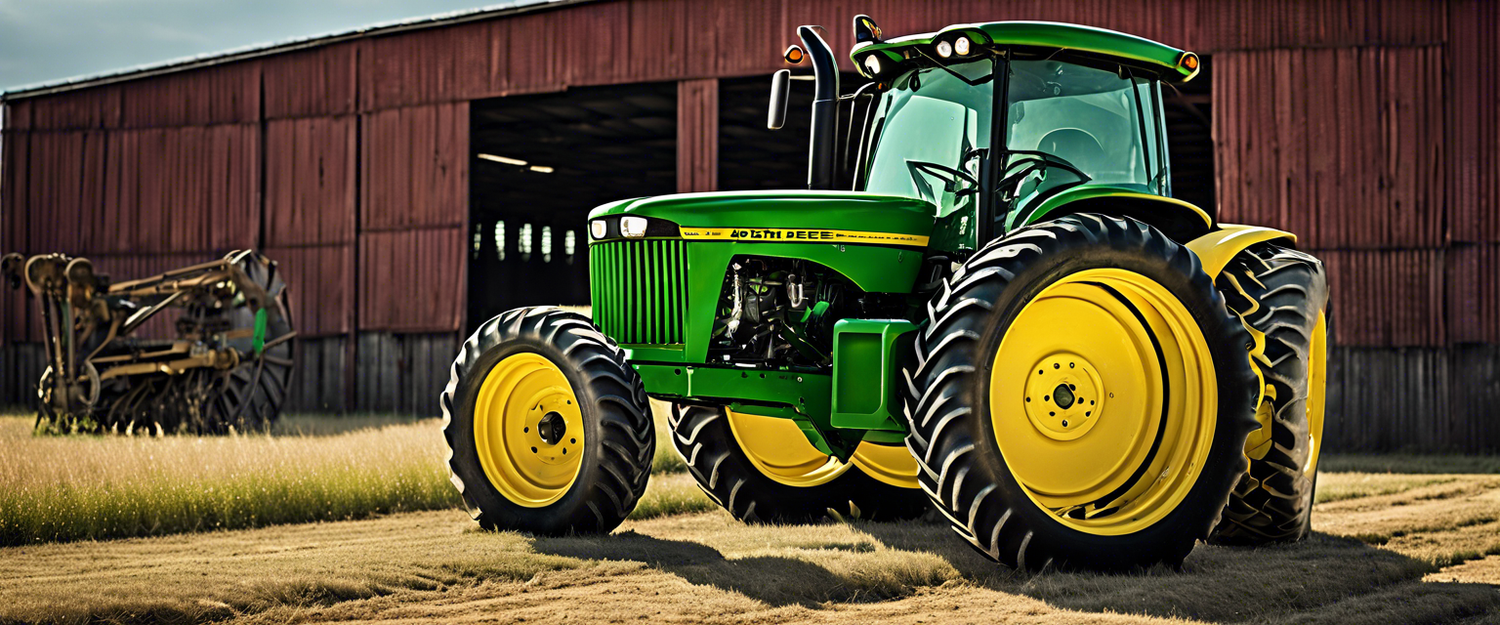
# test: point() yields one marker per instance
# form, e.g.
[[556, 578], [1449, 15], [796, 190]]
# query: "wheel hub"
[[528, 429], [1063, 396], [552, 428]]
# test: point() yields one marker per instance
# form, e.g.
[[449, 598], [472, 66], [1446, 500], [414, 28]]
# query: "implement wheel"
[[1283, 294], [763, 470], [1081, 398], [248, 397], [549, 428]]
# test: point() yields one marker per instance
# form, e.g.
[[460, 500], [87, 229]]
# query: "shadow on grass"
[[775, 580], [1323, 579]]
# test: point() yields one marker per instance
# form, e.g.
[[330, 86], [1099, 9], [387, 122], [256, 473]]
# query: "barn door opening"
[[539, 163]]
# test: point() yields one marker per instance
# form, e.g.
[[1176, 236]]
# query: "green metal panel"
[[867, 356], [1051, 35], [1098, 191], [800, 397], [842, 210]]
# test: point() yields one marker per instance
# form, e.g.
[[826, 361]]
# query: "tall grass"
[[75, 488], [64, 488]]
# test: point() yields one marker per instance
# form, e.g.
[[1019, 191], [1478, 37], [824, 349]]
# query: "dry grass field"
[[1417, 546], [61, 488]]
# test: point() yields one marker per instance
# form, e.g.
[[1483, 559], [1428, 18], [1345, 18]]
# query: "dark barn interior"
[[568, 152]]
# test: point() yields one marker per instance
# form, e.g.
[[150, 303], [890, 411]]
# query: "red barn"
[[414, 179]]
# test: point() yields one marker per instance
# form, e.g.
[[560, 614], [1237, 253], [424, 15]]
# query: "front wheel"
[[763, 470], [548, 427], [1081, 397]]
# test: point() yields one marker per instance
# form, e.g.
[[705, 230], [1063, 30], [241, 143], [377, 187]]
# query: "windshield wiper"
[[970, 82], [949, 175], [1048, 158]]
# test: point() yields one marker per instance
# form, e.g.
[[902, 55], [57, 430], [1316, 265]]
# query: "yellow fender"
[[1216, 248]]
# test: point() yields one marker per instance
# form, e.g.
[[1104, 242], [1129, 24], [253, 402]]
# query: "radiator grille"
[[639, 290]]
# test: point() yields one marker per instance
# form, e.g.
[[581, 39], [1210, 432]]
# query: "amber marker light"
[[1190, 61], [794, 55]]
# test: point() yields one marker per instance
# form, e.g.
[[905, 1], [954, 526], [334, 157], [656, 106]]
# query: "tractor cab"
[[997, 124]]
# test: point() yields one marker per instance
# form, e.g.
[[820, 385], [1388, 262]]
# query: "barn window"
[[478, 241], [546, 244], [500, 240], [570, 244], [523, 243]]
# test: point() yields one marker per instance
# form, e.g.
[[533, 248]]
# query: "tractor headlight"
[[598, 228], [944, 49], [961, 46], [633, 227], [872, 63]]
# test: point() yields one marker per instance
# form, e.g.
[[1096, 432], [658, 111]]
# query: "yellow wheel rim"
[[1317, 383], [528, 430], [778, 449], [1093, 423], [891, 464]]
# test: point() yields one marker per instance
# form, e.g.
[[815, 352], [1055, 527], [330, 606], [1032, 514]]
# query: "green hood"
[[840, 210]]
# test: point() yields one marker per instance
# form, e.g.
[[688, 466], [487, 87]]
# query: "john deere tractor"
[[986, 302]]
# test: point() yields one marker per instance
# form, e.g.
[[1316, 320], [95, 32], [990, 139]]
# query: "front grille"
[[639, 290]]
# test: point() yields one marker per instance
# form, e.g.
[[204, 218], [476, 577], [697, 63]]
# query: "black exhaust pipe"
[[824, 109]]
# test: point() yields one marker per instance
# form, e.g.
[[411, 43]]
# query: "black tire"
[[249, 396], [1278, 292], [953, 438], [619, 439], [716, 460]]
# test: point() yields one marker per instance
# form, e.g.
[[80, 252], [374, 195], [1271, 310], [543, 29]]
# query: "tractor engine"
[[776, 312]]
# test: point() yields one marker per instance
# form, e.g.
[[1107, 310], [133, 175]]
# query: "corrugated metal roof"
[[260, 50]]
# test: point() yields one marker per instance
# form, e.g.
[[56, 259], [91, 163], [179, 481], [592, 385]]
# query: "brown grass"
[[1378, 557], [695, 568], [59, 488], [83, 487]]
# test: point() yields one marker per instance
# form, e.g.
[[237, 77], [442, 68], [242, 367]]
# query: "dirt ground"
[[1388, 550]]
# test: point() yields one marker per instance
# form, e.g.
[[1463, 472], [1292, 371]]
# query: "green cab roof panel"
[[1134, 50]]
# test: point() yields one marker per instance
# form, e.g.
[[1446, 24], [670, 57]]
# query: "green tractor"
[[987, 302]]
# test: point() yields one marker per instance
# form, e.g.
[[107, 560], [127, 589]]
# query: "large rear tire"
[[1081, 398], [1283, 294], [548, 427], [763, 470]]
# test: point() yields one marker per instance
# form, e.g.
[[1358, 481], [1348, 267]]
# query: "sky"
[[46, 41]]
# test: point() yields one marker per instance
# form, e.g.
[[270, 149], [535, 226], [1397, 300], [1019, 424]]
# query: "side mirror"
[[780, 88]]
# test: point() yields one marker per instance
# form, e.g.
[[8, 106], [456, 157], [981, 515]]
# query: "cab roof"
[[1172, 64]]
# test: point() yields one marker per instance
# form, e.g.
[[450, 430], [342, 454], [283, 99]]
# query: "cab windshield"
[[1088, 124], [1064, 124], [928, 134]]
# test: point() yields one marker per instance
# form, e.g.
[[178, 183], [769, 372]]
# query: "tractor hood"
[[713, 215]]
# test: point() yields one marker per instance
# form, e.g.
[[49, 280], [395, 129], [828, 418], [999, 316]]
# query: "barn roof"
[[511, 7]]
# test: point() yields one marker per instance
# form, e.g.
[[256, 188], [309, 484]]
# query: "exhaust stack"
[[824, 109]]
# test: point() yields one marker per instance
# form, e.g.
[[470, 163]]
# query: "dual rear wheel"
[[1081, 398]]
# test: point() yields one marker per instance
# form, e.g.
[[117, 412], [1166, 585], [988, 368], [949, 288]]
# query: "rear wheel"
[[1081, 398], [763, 470], [548, 427], [1283, 294]]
